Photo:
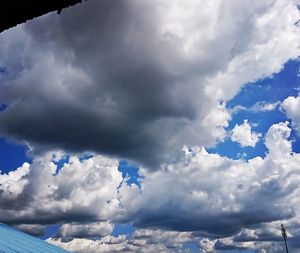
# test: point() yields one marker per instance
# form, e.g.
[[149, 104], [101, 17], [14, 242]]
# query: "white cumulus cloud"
[[291, 106], [244, 135]]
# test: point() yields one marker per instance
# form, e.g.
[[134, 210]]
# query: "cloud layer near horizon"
[[243, 201], [138, 79]]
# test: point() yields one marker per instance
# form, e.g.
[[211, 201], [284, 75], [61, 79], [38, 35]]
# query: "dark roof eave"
[[14, 12]]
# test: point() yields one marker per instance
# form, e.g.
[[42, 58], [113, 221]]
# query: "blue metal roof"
[[14, 241]]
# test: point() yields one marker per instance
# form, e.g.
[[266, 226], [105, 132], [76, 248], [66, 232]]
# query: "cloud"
[[257, 107], [106, 244], [142, 240], [138, 79], [265, 107], [277, 141], [145, 240], [33, 229], [224, 244], [81, 191], [207, 245], [291, 106], [67, 232], [202, 195], [244, 135], [218, 196]]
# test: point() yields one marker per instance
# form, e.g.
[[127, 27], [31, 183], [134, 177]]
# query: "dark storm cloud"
[[213, 223], [123, 89], [134, 79]]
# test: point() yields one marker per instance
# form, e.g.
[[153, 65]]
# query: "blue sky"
[[269, 90], [153, 126], [12, 155]]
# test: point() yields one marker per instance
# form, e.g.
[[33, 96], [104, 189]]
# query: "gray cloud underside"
[[138, 79]]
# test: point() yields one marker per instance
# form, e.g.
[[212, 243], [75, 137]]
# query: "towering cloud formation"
[[135, 78]]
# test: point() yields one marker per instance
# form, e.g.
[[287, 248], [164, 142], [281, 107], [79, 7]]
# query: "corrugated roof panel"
[[14, 241]]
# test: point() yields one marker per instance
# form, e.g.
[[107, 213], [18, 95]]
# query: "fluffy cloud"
[[291, 106], [138, 79], [277, 141], [84, 230], [106, 244], [143, 240], [81, 191], [209, 195], [219, 197], [244, 135], [207, 245]]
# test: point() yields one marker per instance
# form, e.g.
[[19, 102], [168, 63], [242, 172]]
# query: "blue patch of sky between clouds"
[[269, 90], [12, 155], [123, 229], [84, 157], [192, 246], [130, 172], [60, 163], [50, 231]]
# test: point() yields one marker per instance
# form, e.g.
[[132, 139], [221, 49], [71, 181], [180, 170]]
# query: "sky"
[[153, 126]]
